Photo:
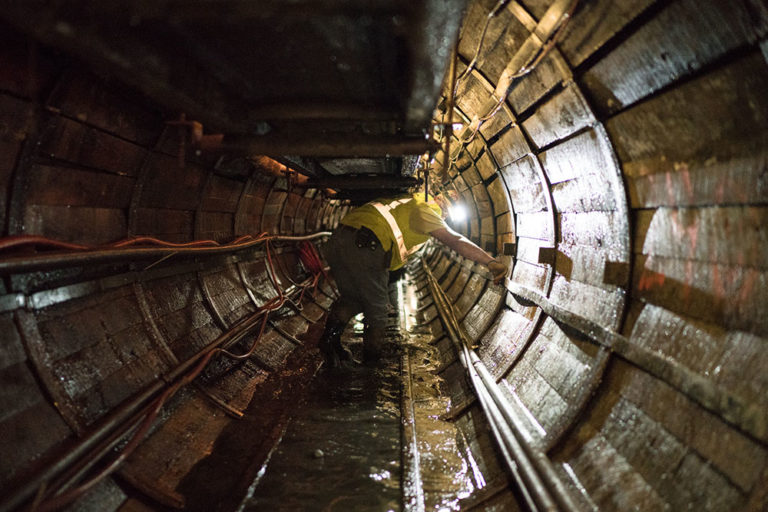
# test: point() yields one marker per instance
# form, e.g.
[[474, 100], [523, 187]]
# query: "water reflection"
[[342, 449]]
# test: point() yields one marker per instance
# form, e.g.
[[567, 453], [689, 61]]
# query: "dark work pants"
[[362, 275]]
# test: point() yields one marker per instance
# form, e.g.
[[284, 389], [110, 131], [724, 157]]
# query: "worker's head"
[[442, 201]]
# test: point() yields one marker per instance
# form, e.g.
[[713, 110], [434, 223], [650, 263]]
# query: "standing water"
[[342, 449]]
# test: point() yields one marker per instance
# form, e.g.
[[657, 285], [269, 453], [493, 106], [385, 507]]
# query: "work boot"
[[372, 358], [374, 348], [334, 353]]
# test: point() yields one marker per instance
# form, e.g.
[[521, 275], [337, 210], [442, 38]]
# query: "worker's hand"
[[498, 270]]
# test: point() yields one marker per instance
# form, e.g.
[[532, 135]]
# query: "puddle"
[[341, 451]]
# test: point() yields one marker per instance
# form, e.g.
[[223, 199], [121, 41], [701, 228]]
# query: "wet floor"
[[371, 439], [342, 449]]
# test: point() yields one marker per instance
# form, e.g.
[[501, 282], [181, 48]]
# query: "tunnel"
[[171, 172]]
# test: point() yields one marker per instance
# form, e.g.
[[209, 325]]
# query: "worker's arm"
[[468, 249]]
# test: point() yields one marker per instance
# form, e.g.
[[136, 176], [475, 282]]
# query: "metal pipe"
[[72, 259], [524, 473], [540, 478]]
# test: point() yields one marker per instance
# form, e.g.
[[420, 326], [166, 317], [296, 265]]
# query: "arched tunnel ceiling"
[[623, 177]]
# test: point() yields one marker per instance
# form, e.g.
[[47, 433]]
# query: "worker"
[[372, 240]]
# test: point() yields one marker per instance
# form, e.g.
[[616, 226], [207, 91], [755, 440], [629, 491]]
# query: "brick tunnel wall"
[[626, 175]]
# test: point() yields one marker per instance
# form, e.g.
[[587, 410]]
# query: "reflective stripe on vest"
[[385, 211]]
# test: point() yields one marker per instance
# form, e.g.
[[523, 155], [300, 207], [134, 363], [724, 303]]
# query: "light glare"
[[457, 212]]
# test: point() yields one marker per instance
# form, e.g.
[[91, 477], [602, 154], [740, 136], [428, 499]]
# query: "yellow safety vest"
[[391, 222]]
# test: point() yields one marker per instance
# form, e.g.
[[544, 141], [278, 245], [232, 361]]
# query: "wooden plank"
[[181, 316], [215, 226], [493, 63], [455, 290], [532, 276], [585, 264], [15, 124], [526, 191], [29, 436], [441, 267], [226, 292], [484, 311], [482, 201], [502, 120], [651, 412], [273, 209], [505, 223], [587, 156], [730, 296], [470, 295], [9, 153], [165, 175], [536, 394], [551, 71], [583, 195], [682, 38], [488, 234], [222, 194], [699, 234], [607, 231], [559, 362], [535, 225], [505, 340], [499, 44], [529, 249], [733, 360], [712, 182], [51, 185], [107, 105], [472, 94], [475, 431], [79, 225], [475, 147], [485, 165], [598, 304], [84, 145], [459, 183], [252, 209], [510, 146], [182, 441], [565, 113], [619, 489], [595, 23], [289, 213], [740, 459], [499, 196], [471, 177], [656, 432], [18, 393], [703, 140], [164, 223]]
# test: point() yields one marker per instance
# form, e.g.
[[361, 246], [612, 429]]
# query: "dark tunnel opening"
[[170, 172]]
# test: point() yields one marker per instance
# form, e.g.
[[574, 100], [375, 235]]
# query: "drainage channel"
[[371, 439]]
